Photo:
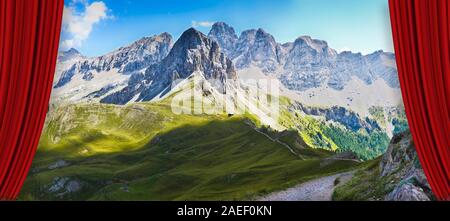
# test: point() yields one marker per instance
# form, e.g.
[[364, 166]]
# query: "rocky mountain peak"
[[72, 51], [191, 39], [130, 59], [262, 34], [164, 36], [350, 54], [382, 56], [224, 35], [244, 42], [305, 63], [69, 55], [222, 29], [248, 35], [320, 46], [259, 48], [146, 45], [192, 52], [264, 39], [148, 41], [300, 65]]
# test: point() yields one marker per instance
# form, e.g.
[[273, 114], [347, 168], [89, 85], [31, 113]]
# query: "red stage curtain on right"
[[421, 33]]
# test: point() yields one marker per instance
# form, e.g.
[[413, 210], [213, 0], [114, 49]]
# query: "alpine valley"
[[111, 132]]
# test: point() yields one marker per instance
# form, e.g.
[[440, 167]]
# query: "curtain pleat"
[[29, 40], [421, 37]]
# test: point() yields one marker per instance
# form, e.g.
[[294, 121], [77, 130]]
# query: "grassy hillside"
[[145, 152], [366, 184], [318, 133]]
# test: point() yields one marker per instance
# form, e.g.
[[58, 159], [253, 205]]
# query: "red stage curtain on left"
[[421, 30], [29, 37]]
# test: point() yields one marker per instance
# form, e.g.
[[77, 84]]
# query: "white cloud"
[[78, 19], [206, 24]]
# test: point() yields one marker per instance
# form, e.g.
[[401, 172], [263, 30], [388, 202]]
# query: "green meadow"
[[145, 152]]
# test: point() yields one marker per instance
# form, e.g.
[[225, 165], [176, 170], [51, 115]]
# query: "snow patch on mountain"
[[198, 95], [192, 52], [79, 78], [355, 95], [78, 89], [66, 59], [307, 70]]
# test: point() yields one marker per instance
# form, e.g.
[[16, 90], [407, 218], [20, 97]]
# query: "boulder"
[[401, 163]]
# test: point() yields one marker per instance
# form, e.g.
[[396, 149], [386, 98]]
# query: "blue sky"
[[96, 27]]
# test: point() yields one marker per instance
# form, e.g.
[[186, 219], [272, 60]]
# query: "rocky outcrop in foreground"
[[401, 162], [395, 176]]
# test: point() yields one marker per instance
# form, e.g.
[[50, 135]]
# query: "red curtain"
[[421, 32], [29, 37]]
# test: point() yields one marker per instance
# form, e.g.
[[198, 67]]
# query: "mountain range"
[[145, 69], [111, 132], [193, 52], [305, 63]]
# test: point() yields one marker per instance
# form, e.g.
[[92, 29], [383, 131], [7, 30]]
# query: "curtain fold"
[[29, 38], [421, 33]]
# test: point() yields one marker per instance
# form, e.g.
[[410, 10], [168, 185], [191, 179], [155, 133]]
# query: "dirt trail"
[[274, 140], [320, 189]]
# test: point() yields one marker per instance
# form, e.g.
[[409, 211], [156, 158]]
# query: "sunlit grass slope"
[[145, 152]]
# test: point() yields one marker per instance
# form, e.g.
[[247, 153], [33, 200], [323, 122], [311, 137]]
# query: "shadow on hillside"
[[219, 160]]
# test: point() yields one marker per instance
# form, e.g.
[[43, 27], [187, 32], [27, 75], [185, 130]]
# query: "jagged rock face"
[[306, 63], [306, 51], [311, 63], [401, 161], [65, 62], [143, 53], [349, 64], [383, 65], [69, 55], [346, 117], [225, 36], [246, 48], [259, 48], [126, 60], [407, 192], [148, 68], [193, 52]]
